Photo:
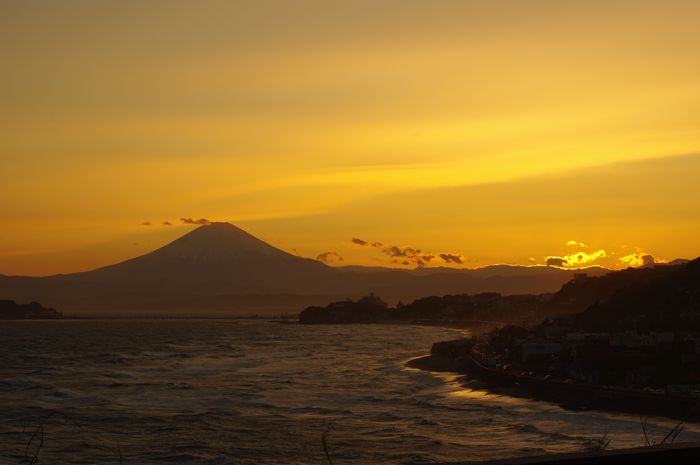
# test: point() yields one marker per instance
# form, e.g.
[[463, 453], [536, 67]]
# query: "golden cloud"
[[638, 259], [575, 260]]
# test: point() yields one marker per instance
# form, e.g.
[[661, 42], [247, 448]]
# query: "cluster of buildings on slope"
[[665, 360]]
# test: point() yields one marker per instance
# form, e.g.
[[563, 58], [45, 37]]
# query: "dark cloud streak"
[[556, 261], [193, 221], [409, 255], [452, 258], [329, 257]]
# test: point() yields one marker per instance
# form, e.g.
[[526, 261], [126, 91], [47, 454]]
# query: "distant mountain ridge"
[[483, 272], [219, 269], [664, 294]]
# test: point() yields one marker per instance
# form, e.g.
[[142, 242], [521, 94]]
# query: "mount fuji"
[[220, 270]]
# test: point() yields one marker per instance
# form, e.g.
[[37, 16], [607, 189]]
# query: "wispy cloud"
[[576, 243], [452, 258], [330, 257], [166, 223], [409, 255], [395, 251], [193, 221]]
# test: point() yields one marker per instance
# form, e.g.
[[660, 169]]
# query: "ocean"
[[261, 392]]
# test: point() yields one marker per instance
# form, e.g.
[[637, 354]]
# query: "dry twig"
[[325, 447]]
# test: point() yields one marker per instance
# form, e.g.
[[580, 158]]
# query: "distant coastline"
[[11, 310]]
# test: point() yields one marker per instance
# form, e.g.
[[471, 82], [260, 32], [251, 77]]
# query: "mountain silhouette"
[[217, 252], [219, 269]]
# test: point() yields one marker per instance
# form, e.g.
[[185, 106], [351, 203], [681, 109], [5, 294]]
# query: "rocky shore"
[[455, 356], [669, 454]]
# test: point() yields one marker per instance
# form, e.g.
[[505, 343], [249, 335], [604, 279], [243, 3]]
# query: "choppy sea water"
[[257, 392]]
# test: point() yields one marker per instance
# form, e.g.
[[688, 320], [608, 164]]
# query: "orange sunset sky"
[[495, 131]]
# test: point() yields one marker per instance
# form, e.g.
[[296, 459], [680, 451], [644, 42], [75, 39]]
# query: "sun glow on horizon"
[[487, 132]]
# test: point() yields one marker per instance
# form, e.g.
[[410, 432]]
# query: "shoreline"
[[435, 363], [568, 396], [671, 454]]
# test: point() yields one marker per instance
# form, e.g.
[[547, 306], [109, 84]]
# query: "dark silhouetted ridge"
[[670, 301]]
